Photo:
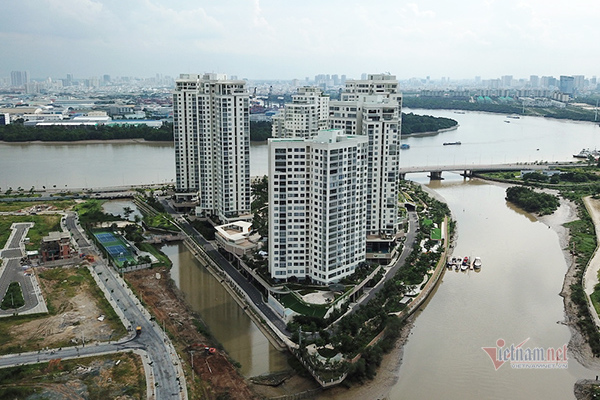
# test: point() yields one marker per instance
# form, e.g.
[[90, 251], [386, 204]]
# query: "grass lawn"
[[19, 205], [163, 260], [292, 302], [13, 297], [43, 225]]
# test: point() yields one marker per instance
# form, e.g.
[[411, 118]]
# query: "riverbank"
[[567, 212], [93, 141], [578, 345], [431, 133]]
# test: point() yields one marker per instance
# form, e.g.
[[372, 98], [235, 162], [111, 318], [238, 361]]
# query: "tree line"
[[442, 103], [55, 133], [532, 201], [259, 130], [413, 123]]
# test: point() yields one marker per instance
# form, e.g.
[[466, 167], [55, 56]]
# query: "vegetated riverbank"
[[579, 348], [91, 141], [499, 107], [579, 242]]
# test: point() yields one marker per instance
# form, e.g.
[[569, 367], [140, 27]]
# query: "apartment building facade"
[[212, 144], [304, 116], [317, 195]]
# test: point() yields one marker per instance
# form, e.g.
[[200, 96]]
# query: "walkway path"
[[590, 276]]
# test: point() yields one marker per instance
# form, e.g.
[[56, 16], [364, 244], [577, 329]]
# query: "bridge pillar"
[[467, 173], [435, 175]]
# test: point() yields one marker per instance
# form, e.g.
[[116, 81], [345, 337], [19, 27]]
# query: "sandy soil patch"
[[69, 292], [219, 378], [319, 297], [116, 376]]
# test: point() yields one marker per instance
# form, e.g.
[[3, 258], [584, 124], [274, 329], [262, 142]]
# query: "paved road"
[[257, 297], [13, 272], [168, 375], [409, 243], [12, 360], [253, 293]]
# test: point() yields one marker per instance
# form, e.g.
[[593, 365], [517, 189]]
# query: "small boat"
[[513, 116], [508, 122], [585, 153], [477, 262], [451, 143], [405, 146], [465, 264]]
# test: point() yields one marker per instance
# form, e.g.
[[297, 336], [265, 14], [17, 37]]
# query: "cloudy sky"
[[287, 39]]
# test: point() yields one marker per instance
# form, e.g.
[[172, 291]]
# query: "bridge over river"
[[467, 169]]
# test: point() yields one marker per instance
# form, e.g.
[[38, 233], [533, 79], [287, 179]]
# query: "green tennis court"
[[116, 247]]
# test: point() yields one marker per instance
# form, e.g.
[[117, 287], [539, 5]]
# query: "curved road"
[[166, 380], [13, 272], [166, 368]]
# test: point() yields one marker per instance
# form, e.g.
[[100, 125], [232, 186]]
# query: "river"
[[514, 297]]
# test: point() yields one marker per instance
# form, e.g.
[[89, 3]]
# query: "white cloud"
[[271, 38]]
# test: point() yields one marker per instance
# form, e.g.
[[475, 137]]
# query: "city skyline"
[[268, 40]]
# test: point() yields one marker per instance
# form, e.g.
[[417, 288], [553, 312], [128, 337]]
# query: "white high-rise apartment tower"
[[304, 116], [372, 107], [317, 200], [212, 144]]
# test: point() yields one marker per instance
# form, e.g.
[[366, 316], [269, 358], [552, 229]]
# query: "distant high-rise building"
[[19, 78], [304, 116], [567, 85], [317, 200], [506, 81], [578, 82], [549, 82], [212, 144], [534, 81], [4, 118]]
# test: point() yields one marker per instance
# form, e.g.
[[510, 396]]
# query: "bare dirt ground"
[[219, 378], [75, 318], [117, 376]]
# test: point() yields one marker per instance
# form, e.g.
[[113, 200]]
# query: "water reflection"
[[231, 326], [514, 297]]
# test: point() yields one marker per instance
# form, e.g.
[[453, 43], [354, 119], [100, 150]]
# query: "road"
[[253, 293], [12, 271], [166, 374], [409, 243], [12, 360], [165, 364], [256, 296]]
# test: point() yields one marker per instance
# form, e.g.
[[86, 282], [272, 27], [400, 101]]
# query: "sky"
[[287, 39]]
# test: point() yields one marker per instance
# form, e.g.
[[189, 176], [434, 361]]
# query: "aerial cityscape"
[[261, 201]]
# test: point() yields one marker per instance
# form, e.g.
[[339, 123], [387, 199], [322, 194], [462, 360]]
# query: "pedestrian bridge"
[[435, 171]]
